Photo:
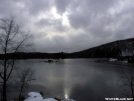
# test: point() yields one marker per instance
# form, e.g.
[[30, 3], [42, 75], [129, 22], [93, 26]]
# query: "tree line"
[[117, 49]]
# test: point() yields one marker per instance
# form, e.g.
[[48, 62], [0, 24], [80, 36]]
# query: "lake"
[[79, 79]]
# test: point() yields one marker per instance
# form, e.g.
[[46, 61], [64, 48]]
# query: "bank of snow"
[[34, 96]]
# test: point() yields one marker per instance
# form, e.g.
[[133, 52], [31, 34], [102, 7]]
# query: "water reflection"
[[80, 79]]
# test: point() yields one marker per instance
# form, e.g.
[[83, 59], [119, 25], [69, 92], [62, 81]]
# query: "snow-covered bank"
[[68, 100], [112, 60], [34, 96], [116, 60]]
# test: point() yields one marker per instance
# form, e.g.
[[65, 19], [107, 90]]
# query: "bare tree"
[[24, 76], [12, 40], [127, 78]]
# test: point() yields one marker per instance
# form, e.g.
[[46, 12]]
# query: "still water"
[[80, 79]]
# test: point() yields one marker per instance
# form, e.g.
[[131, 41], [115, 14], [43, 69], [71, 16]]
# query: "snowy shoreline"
[[34, 96]]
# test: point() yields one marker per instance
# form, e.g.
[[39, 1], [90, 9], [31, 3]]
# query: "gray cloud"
[[62, 5], [79, 20], [55, 23], [88, 23], [37, 6], [6, 7], [87, 10], [100, 5]]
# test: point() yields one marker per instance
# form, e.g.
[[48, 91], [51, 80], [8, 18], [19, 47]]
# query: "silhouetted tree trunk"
[[24, 76], [12, 40], [127, 78]]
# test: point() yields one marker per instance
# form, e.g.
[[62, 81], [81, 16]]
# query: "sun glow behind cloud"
[[72, 20], [52, 16], [64, 18], [55, 14]]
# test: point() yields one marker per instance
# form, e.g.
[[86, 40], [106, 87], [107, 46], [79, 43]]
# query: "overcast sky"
[[72, 25]]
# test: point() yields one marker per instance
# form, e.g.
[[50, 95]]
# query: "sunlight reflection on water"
[[70, 78]]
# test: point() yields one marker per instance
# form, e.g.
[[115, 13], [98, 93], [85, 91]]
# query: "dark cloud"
[[87, 10], [100, 5], [6, 7], [75, 24], [62, 5], [100, 27], [79, 20], [35, 7]]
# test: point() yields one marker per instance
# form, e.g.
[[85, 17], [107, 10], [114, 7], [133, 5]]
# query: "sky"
[[72, 25]]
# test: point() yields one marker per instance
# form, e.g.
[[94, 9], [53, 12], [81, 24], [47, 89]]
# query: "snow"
[[34, 96], [112, 60], [68, 100], [49, 99]]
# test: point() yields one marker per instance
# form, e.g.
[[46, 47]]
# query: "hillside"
[[119, 48], [116, 49]]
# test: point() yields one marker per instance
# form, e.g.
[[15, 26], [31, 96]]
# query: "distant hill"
[[119, 48], [116, 49]]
